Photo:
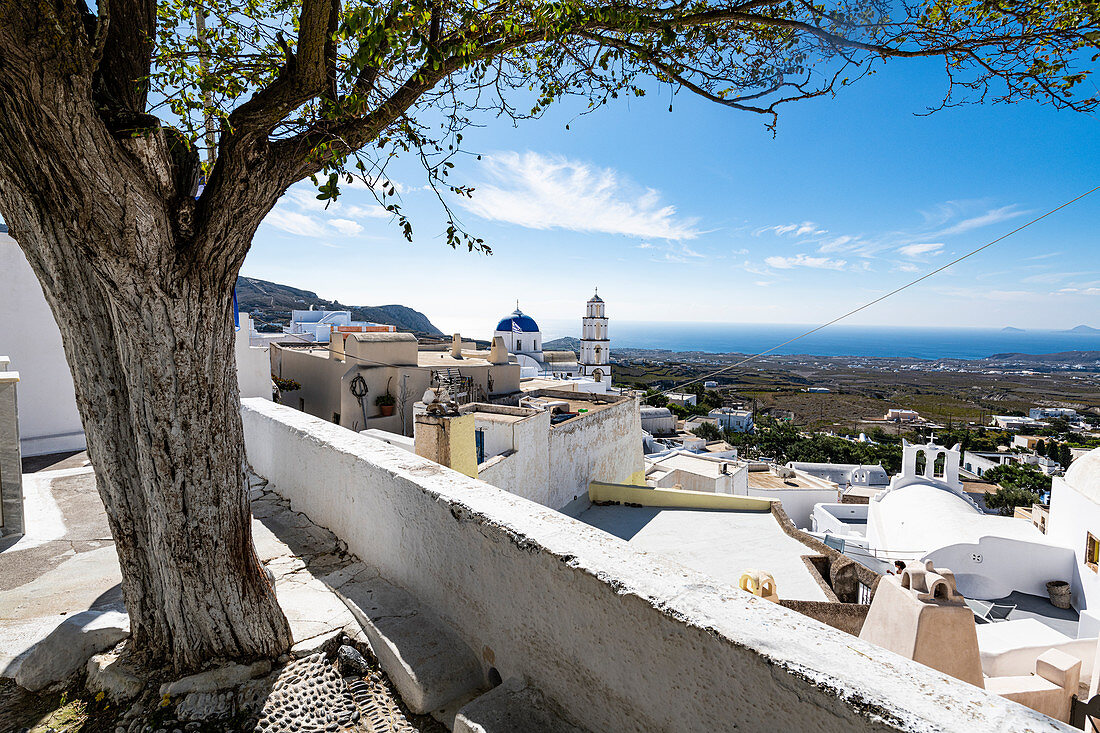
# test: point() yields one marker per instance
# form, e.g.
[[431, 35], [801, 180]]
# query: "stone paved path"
[[68, 566]]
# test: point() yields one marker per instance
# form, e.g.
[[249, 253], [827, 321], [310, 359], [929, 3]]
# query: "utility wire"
[[881, 298]]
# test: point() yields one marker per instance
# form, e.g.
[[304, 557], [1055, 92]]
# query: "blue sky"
[[701, 215]]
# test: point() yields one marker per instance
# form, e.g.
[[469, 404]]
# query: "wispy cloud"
[[804, 260], [921, 249], [552, 192], [803, 229], [301, 213], [993, 216]]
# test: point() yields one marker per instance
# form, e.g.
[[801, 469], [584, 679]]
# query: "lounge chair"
[[995, 611]]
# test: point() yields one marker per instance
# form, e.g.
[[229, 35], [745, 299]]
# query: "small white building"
[[1043, 413], [846, 474], [318, 325], [547, 450], [682, 398], [978, 462], [729, 418], [900, 415], [710, 384], [1014, 423], [658, 420], [683, 469]]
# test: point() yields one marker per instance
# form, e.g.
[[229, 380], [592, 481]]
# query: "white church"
[[523, 338]]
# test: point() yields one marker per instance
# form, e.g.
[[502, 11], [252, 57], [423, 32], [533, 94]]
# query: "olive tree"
[[143, 142]]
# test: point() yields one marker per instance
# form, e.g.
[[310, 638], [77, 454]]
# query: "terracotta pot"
[[386, 410]]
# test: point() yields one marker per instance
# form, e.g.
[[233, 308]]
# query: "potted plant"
[[385, 404]]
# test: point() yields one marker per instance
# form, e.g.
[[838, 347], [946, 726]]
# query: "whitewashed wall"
[[621, 640], [1006, 565], [526, 472], [797, 503], [1072, 518], [253, 363], [48, 419], [606, 445]]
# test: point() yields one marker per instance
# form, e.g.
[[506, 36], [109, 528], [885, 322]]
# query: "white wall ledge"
[[622, 640]]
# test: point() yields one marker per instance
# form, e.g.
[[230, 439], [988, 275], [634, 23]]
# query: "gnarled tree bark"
[[102, 203]]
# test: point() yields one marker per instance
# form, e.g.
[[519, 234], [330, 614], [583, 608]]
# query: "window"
[[519, 345], [336, 417], [302, 404], [1092, 552]]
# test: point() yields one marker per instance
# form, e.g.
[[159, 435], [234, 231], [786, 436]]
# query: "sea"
[[843, 340]]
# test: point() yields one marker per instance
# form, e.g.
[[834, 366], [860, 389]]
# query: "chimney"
[[498, 354], [456, 346], [448, 440]]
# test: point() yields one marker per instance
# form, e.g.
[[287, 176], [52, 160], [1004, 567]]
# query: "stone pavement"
[[60, 583]]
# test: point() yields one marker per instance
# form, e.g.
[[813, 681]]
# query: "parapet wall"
[[620, 640]]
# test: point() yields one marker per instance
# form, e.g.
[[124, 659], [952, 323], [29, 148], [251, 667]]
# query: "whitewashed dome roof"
[[1083, 475]]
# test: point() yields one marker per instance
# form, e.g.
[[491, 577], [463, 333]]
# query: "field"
[[862, 390]]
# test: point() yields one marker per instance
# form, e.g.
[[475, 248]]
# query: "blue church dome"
[[526, 324]]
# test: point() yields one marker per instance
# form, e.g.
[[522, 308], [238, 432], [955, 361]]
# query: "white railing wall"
[[620, 640]]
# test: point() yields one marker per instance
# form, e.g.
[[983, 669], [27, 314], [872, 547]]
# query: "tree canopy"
[[341, 87]]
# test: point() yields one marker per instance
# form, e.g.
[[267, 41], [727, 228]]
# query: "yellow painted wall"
[[645, 496], [463, 451]]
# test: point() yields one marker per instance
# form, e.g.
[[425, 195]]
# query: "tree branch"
[[121, 81]]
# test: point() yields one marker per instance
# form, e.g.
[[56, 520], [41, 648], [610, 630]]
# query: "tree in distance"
[[142, 144]]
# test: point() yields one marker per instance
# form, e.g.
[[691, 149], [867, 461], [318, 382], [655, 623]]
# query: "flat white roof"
[[721, 544]]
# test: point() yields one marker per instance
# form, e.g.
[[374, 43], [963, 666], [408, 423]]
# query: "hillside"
[[565, 343], [1083, 329], [271, 303]]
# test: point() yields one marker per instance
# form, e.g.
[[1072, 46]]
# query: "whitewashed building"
[[1043, 413], [926, 515], [729, 418], [523, 338], [547, 450]]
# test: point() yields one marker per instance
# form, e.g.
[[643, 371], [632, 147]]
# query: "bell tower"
[[595, 361]]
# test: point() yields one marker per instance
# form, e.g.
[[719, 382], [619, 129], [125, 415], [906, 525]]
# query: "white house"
[[739, 421], [978, 462], [1042, 413], [658, 420], [682, 398], [1013, 422], [692, 471], [547, 450], [318, 325]]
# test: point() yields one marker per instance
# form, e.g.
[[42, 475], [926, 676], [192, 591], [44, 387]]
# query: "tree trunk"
[[102, 203], [156, 384]]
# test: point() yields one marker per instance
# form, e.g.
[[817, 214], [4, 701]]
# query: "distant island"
[[1012, 329], [271, 303], [1083, 329]]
